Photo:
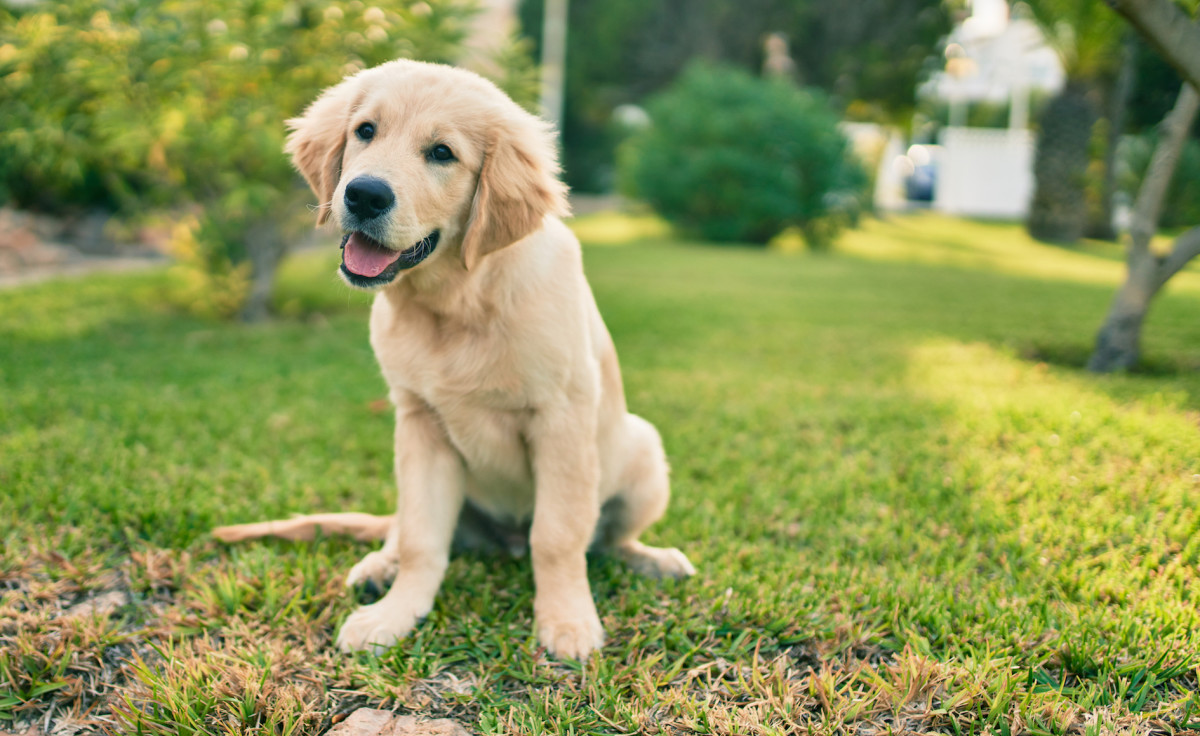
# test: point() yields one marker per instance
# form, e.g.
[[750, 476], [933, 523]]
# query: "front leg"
[[429, 476], [567, 476]]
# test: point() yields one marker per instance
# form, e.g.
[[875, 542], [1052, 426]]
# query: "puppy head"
[[422, 164]]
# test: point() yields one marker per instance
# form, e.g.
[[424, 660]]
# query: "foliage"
[[517, 74], [1182, 205], [120, 102], [866, 54], [208, 281], [1156, 89], [900, 501], [1154, 95], [737, 158], [126, 104], [1086, 34]]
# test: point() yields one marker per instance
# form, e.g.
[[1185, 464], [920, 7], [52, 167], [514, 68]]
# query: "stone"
[[410, 726], [374, 722], [102, 605], [365, 722]]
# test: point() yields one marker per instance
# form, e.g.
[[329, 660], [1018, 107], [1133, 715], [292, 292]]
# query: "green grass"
[[909, 508]]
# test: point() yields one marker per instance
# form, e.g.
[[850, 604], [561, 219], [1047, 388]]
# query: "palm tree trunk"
[[1119, 338], [1058, 212]]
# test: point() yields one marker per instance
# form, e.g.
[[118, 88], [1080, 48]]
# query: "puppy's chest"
[[478, 385], [493, 448], [454, 367]]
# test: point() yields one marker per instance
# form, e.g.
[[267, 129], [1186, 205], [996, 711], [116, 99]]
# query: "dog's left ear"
[[518, 186], [318, 139]]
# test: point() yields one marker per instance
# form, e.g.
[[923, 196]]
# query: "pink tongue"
[[366, 257]]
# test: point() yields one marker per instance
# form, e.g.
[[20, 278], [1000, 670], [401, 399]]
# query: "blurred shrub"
[[514, 70], [736, 158], [205, 280], [131, 105], [1182, 208]]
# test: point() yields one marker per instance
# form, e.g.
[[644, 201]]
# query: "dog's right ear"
[[318, 139], [518, 186]]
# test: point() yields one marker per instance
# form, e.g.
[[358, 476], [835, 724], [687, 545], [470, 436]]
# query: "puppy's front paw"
[[572, 638], [376, 627], [377, 569]]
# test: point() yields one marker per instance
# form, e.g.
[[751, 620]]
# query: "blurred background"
[[138, 129]]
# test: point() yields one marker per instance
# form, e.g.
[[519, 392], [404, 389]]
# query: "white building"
[[996, 56], [993, 56]]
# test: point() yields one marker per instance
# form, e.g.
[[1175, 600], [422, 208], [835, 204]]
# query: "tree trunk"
[[265, 246], [1118, 342], [1119, 338], [1058, 211]]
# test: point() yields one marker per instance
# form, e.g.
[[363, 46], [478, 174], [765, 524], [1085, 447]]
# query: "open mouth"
[[367, 262]]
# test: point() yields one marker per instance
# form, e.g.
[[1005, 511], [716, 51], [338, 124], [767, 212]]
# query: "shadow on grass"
[[1076, 356]]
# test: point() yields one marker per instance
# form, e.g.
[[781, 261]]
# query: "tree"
[[1177, 37], [1058, 211], [1088, 40], [134, 105]]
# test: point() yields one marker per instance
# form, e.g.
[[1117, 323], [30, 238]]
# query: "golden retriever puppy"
[[511, 422]]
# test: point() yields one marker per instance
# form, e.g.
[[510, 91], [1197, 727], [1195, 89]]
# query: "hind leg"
[[645, 489]]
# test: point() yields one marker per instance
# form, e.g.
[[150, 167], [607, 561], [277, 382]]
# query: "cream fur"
[[506, 385]]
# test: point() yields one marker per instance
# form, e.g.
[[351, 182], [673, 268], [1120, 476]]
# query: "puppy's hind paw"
[[656, 562]]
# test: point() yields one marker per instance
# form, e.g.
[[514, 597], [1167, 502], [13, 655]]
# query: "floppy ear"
[[518, 186], [318, 139]]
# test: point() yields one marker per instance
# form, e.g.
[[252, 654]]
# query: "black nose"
[[368, 197]]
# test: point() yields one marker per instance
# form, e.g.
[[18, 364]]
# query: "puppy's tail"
[[363, 527]]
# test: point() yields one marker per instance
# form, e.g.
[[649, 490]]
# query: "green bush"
[[131, 106], [1182, 208], [127, 103], [735, 158]]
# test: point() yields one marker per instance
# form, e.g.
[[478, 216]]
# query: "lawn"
[[909, 508]]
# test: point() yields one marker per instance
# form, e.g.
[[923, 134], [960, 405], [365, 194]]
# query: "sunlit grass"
[[908, 506], [613, 228], [996, 247]]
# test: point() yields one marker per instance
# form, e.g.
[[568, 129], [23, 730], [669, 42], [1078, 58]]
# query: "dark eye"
[[441, 152], [365, 132]]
